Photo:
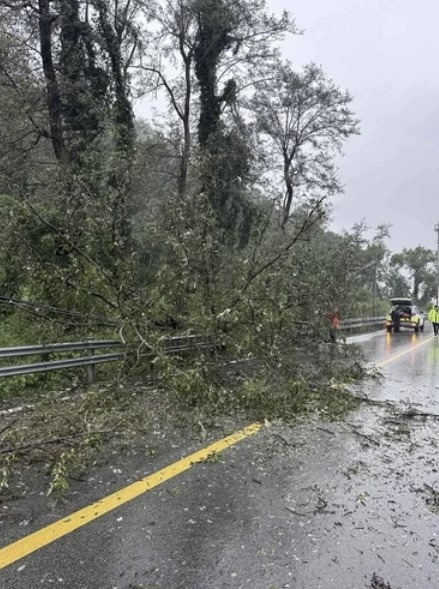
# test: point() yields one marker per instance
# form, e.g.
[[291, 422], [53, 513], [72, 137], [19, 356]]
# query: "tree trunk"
[[213, 38], [289, 192], [124, 130], [184, 163], [53, 95], [416, 284]]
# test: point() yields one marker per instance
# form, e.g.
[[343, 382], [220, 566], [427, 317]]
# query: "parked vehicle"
[[410, 316]]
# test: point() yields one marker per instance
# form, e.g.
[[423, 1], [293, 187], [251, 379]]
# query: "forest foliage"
[[207, 215]]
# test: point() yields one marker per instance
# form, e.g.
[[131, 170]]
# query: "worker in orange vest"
[[334, 320]]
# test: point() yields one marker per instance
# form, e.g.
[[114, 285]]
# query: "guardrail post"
[[91, 368]]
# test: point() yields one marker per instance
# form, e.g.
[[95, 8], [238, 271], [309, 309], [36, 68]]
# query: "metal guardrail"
[[362, 322], [172, 345], [59, 348], [185, 343], [89, 361]]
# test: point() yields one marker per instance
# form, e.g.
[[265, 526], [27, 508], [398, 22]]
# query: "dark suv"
[[410, 316]]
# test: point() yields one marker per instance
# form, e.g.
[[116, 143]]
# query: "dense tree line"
[[208, 216]]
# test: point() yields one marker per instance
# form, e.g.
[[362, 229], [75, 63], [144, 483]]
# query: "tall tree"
[[306, 119], [235, 46], [224, 46], [84, 51], [419, 263], [228, 35], [167, 62]]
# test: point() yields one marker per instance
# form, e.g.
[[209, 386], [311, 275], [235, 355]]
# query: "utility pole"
[[374, 288], [436, 228]]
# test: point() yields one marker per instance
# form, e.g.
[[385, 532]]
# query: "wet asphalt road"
[[314, 506], [414, 377]]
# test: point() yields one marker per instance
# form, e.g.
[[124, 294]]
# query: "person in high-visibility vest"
[[433, 316]]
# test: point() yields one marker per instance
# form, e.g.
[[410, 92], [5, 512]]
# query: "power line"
[[27, 305]]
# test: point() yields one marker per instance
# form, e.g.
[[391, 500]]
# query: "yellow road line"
[[403, 353], [45, 536]]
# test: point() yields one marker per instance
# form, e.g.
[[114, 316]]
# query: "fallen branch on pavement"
[[63, 440], [361, 435]]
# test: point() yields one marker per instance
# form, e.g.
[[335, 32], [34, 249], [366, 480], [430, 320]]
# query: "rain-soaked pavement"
[[319, 505]]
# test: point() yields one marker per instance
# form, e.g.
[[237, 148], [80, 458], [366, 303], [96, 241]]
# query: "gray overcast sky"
[[385, 53]]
